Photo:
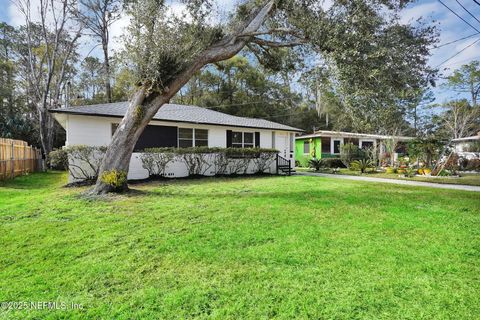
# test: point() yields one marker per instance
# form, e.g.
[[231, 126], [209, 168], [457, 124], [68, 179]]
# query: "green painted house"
[[306, 149], [326, 144]]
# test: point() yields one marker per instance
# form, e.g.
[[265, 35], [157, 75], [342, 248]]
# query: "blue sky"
[[451, 28]]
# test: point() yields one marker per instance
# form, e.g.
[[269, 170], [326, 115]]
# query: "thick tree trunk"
[[118, 154], [144, 106], [46, 130]]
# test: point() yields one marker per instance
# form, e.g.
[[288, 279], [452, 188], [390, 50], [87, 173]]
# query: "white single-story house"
[[175, 126], [468, 147]]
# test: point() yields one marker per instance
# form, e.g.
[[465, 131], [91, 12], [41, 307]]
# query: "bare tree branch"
[[275, 44]]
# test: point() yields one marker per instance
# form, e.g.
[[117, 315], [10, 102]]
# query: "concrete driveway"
[[394, 181]]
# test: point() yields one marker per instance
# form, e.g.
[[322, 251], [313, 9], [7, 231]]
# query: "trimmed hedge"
[[199, 160], [83, 162], [333, 163], [230, 152]]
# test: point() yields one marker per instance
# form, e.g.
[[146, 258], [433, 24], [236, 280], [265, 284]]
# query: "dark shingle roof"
[[179, 113]]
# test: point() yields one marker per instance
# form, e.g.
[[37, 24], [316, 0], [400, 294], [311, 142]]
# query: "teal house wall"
[[315, 150]]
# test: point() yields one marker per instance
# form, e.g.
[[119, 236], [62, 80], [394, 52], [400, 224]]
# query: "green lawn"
[[471, 179], [256, 248]]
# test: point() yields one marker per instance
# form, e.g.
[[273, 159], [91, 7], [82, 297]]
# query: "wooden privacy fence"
[[18, 158]]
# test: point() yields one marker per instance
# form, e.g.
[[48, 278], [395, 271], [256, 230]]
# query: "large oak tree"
[[370, 50]]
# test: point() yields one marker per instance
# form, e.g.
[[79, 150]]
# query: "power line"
[[458, 16], [456, 54], [447, 43], [476, 2], [461, 5], [462, 61]]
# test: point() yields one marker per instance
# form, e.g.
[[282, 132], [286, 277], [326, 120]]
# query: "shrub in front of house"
[[201, 161], [156, 160], [263, 159], [361, 165], [316, 164], [198, 160], [334, 163], [350, 152], [58, 160], [390, 170], [114, 178], [473, 165], [410, 172], [83, 162]]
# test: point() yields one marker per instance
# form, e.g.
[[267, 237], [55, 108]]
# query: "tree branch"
[[270, 31], [276, 44]]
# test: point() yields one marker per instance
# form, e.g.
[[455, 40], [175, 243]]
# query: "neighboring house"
[[326, 144], [175, 126], [468, 147]]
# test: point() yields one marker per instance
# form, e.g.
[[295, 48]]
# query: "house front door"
[[282, 144]]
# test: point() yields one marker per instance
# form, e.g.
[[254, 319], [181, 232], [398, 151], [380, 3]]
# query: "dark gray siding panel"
[[157, 137]]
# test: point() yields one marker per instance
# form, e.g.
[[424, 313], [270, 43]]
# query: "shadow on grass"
[[297, 191], [36, 180]]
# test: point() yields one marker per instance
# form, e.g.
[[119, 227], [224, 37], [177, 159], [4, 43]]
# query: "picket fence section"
[[18, 158]]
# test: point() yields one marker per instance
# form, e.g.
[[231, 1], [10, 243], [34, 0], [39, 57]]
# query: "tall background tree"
[[17, 120], [241, 87], [459, 117], [47, 53], [98, 16], [466, 80], [90, 84]]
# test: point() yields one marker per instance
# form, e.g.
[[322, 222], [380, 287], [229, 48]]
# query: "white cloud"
[[327, 4], [425, 10], [465, 56], [117, 29], [15, 15], [17, 8]]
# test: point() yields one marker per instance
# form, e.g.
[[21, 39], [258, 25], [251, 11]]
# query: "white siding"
[[91, 131], [97, 131], [265, 138], [217, 137]]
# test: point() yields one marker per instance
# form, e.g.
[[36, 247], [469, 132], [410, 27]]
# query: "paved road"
[[393, 181]]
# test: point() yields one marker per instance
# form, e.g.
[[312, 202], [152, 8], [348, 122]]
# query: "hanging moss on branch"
[[139, 113]]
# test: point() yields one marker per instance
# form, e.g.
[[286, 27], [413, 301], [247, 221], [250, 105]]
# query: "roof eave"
[[296, 130], [359, 136]]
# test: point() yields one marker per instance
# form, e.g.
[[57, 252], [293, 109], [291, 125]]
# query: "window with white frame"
[[190, 137], [336, 146], [243, 139], [248, 139], [201, 137], [306, 147], [365, 144]]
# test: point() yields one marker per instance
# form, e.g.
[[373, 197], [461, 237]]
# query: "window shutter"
[[257, 139], [229, 138]]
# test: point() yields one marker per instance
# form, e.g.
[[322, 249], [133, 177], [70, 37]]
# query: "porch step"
[[286, 169], [283, 165]]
